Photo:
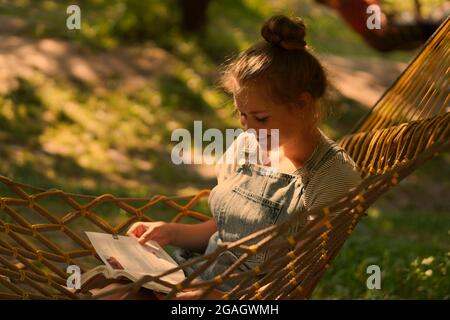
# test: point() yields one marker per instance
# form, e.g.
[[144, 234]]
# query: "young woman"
[[276, 84]]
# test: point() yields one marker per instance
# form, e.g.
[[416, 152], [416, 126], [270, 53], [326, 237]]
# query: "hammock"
[[406, 127]]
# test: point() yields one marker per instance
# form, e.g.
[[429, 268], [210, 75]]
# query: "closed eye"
[[237, 113], [261, 119]]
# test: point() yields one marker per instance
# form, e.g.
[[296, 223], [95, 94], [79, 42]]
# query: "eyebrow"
[[236, 109], [252, 112]]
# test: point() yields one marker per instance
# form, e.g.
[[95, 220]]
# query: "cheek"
[[286, 126], [289, 128]]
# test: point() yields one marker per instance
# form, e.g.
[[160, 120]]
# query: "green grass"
[[411, 249]]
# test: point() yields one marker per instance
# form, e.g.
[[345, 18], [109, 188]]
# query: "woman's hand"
[[159, 231], [194, 294]]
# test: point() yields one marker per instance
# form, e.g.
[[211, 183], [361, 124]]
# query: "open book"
[[125, 257]]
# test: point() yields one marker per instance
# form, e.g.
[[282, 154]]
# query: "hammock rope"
[[407, 126]]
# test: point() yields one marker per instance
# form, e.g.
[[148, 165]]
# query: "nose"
[[244, 122]]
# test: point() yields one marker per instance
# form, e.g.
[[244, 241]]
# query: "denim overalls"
[[252, 197]]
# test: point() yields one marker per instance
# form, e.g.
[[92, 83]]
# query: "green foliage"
[[21, 112], [411, 249], [105, 23], [142, 20]]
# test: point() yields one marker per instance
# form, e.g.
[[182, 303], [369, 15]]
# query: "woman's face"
[[258, 111]]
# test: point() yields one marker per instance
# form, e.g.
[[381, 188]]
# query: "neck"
[[300, 148]]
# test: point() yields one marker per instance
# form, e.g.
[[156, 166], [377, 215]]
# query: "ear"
[[305, 99], [303, 103]]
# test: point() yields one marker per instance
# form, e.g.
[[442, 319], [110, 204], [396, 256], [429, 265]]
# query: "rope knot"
[[253, 248], [293, 282], [291, 240], [139, 213], [7, 228], [394, 179], [218, 279], [31, 201], [257, 270], [15, 252], [49, 278], [39, 255], [22, 275], [33, 231], [83, 211]]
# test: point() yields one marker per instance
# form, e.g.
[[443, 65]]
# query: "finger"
[[138, 230], [130, 231], [187, 295], [182, 296], [147, 235]]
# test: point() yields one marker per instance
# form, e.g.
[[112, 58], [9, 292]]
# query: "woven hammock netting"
[[43, 231]]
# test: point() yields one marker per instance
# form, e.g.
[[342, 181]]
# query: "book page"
[[126, 253]]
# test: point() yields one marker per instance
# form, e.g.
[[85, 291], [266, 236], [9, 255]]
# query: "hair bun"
[[288, 33]]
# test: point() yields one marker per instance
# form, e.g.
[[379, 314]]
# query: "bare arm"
[[192, 237]]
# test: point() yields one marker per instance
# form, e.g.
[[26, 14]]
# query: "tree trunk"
[[194, 14]]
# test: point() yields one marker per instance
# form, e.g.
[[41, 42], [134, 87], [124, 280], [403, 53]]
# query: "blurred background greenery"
[[92, 110]]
